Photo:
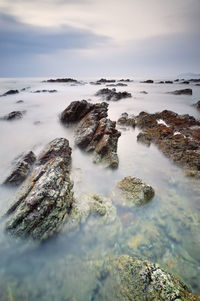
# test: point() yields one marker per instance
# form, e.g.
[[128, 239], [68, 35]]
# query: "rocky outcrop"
[[197, 105], [168, 82], [178, 136], [182, 92], [43, 202], [13, 115], [94, 132], [117, 85], [21, 170], [10, 92], [127, 80], [148, 81], [127, 120], [45, 91], [112, 94], [61, 80], [134, 279], [130, 192]]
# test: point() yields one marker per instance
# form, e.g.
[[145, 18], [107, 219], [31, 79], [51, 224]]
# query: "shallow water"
[[166, 230]]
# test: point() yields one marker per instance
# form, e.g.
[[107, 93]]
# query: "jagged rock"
[[178, 136], [182, 92], [61, 80], [197, 105], [44, 91], [130, 279], [94, 131], [149, 81], [43, 202], [75, 111], [10, 92], [111, 94], [131, 192], [22, 169], [14, 115], [126, 120]]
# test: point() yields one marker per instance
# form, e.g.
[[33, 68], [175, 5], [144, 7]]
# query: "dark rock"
[[126, 120], [14, 115], [10, 92], [21, 170], [178, 136], [117, 85], [75, 111], [111, 94], [161, 82], [19, 101], [125, 80], [61, 80], [176, 80], [104, 81], [168, 82], [197, 85], [44, 91], [43, 203], [182, 92], [149, 81], [197, 105], [194, 80], [24, 89], [94, 131], [95, 83], [143, 92], [185, 82], [131, 192]]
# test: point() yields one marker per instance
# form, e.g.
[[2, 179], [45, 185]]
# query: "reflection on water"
[[166, 230]]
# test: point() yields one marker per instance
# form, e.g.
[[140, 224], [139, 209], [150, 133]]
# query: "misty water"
[[166, 230]]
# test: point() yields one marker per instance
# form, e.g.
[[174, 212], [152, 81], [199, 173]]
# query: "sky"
[[92, 38]]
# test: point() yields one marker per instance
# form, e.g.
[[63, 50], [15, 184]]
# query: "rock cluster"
[[178, 136], [43, 202], [61, 80], [44, 91], [112, 94], [94, 132], [127, 120], [182, 92]]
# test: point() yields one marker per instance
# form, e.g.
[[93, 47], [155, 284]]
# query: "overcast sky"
[[92, 38]]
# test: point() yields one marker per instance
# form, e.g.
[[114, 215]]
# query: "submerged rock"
[[14, 115], [111, 94], [21, 170], [94, 132], [126, 120], [43, 202], [182, 92], [129, 278], [131, 192], [10, 92], [61, 80]]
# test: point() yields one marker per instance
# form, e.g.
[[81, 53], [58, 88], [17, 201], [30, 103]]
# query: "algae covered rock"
[[42, 204], [131, 192], [132, 279]]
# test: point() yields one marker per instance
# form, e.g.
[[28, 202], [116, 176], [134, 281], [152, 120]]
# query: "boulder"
[[168, 82], [43, 202], [111, 94], [21, 170], [149, 81], [182, 92], [130, 192], [10, 92], [61, 80], [14, 115], [126, 120]]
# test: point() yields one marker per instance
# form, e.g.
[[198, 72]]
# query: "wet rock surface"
[[43, 202], [182, 92], [10, 92], [112, 94], [21, 170], [127, 120], [130, 192], [94, 132], [178, 136]]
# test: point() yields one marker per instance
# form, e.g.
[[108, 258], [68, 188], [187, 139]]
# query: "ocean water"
[[166, 230]]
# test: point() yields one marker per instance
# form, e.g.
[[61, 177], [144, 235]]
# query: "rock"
[[61, 80], [168, 82], [95, 83], [197, 105], [125, 80], [75, 111], [130, 192], [182, 92], [111, 94], [161, 82], [43, 202], [149, 81], [178, 136], [143, 92], [185, 82], [94, 132], [44, 91], [117, 85], [129, 278], [19, 101], [14, 115], [21, 170], [104, 81], [10, 92], [126, 120], [194, 80], [176, 80]]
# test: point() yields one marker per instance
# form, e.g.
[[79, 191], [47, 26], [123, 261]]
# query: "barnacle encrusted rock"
[[42, 204]]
